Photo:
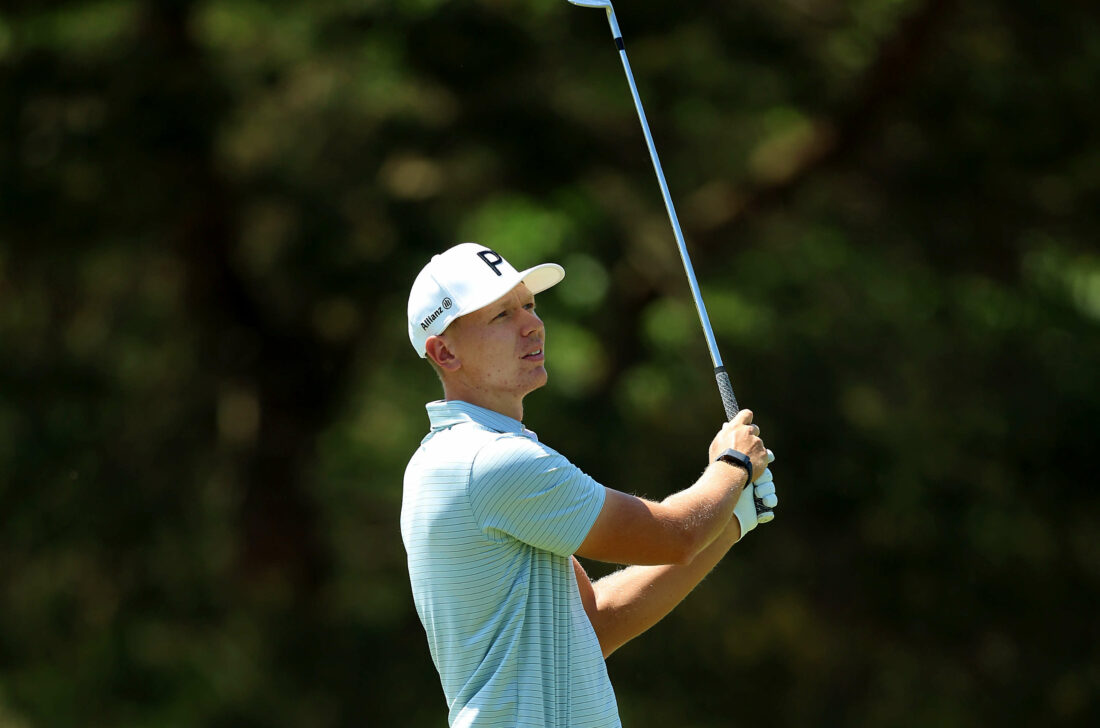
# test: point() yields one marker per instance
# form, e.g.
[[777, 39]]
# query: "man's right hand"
[[741, 435]]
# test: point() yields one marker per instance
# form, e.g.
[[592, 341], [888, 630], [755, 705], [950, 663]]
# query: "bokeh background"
[[210, 215]]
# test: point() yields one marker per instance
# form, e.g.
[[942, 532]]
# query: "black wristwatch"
[[738, 458]]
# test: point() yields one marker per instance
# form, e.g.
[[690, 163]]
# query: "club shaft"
[[729, 401], [725, 388], [704, 319]]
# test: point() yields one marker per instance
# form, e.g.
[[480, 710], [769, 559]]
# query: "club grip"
[[726, 389], [730, 403]]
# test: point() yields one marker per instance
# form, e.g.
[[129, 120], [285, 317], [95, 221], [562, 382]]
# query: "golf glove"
[[763, 489]]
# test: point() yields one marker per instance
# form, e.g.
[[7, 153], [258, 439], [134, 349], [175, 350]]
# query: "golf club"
[[725, 388]]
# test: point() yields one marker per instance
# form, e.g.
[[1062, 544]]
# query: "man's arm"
[[631, 530], [626, 603]]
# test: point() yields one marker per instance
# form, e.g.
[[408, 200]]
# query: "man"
[[491, 518]]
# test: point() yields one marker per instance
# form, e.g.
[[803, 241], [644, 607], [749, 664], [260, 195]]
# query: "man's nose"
[[531, 323]]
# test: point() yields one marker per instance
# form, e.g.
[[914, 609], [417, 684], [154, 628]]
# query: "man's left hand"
[[763, 489]]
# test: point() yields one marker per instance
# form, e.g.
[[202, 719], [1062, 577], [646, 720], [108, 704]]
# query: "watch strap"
[[738, 458]]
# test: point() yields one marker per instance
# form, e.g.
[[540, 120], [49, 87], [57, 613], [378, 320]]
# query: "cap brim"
[[537, 279], [543, 276]]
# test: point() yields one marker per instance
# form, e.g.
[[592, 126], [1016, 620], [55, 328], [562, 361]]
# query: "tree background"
[[210, 216]]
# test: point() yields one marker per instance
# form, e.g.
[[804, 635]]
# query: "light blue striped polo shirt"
[[490, 517]]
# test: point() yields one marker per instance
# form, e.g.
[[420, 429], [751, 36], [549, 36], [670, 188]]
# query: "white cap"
[[462, 280]]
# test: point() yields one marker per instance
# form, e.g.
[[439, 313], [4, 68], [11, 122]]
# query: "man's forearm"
[[630, 601], [710, 503], [631, 530]]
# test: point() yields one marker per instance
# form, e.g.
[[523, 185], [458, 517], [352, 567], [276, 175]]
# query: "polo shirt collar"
[[448, 413]]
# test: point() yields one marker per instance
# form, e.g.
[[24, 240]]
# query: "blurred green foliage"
[[210, 214]]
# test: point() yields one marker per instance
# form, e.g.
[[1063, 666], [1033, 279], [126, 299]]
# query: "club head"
[[606, 5]]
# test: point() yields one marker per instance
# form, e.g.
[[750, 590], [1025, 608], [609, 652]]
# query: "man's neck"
[[497, 402]]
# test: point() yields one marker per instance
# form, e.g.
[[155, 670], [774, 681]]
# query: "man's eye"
[[502, 314], [529, 306]]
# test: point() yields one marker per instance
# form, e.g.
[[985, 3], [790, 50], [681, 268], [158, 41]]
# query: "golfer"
[[491, 517]]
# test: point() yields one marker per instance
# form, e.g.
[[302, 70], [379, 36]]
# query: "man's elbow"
[[606, 635]]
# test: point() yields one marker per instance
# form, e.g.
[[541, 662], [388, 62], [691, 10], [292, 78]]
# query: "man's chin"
[[539, 379]]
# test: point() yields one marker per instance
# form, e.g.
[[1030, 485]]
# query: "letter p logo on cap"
[[494, 263]]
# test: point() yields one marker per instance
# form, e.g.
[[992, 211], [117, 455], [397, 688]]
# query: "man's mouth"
[[535, 354]]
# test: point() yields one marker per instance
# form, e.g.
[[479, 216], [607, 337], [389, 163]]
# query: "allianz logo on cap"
[[445, 303], [488, 256]]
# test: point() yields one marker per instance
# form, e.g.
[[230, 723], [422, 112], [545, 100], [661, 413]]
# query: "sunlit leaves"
[[210, 215]]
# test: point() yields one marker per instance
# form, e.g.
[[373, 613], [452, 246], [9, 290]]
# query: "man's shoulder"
[[515, 451], [469, 438], [465, 443]]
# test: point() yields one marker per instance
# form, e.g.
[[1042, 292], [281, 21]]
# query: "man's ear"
[[437, 350]]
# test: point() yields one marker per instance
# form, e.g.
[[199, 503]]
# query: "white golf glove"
[[763, 488]]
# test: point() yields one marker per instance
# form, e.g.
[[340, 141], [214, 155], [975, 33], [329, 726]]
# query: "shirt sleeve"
[[529, 491]]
